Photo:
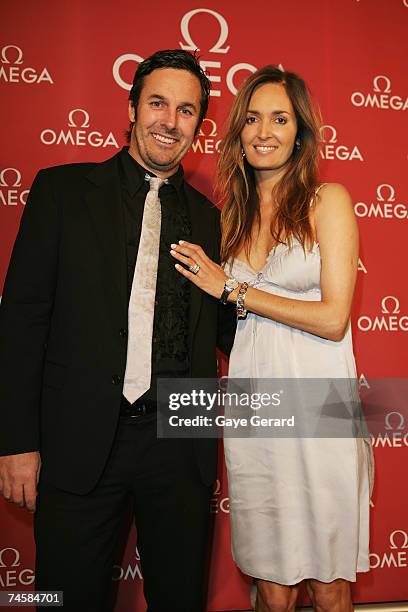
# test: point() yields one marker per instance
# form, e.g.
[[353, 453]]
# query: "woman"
[[299, 507]]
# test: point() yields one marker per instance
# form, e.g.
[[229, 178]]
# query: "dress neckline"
[[273, 250], [271, 254]]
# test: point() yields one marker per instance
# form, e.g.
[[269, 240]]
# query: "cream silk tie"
[[142, 298]]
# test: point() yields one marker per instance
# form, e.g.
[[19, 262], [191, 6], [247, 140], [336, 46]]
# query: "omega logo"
[[330, 148], [400, 421], [4, 55], [390, 190], [71, 121], [17, 173], [393, 422], [79, 135], [389, 321], [10, 179], [382, 77], [393, 434], [402, 537], [12, 72], [207, 141], [14, 557], [188, 44], [328, 128], [213, 129], [399, 544], [385, 207], [9, 577], [394, 301], [381, 98]]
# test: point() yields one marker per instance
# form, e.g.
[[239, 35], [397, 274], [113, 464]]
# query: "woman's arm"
[[337, 233]]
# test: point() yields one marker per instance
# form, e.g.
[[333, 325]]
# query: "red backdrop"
[[65, 68]]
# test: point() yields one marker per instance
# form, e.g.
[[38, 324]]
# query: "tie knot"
[[154, 182]]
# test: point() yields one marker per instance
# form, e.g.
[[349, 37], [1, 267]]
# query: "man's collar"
[[135, 173]]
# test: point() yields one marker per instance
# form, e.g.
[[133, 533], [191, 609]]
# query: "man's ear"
[[131, 112]]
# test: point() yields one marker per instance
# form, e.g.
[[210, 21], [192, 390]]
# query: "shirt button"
[[123, 332], [116, 379]]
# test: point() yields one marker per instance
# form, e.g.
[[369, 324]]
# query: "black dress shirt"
[[170, 356]]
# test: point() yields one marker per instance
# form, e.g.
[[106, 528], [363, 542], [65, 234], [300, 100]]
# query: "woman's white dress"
[[299, 507]]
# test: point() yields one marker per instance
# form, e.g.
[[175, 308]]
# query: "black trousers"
[[77, 535]]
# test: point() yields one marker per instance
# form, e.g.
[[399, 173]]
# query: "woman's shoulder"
[[333, 213], [325, 190], [334, 196]]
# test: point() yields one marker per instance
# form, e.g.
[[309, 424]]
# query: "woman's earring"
[[297, 143], [243, 152]]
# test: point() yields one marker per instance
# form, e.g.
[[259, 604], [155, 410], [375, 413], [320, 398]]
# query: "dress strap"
[[318, 188]]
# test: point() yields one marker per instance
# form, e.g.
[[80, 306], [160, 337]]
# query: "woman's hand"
[[210, 277]]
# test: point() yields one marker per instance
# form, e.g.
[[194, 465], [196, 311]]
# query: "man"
[[93, 313]]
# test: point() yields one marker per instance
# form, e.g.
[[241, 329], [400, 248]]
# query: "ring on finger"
[[195, 268]]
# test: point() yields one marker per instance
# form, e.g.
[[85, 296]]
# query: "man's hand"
[[19, 477]]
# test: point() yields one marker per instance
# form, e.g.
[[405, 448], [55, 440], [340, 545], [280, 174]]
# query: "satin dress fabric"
[[299, 507]]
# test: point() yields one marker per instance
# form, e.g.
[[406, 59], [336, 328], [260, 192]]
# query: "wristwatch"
[[229, 286]]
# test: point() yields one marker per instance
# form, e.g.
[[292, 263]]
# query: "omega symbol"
[[5, 59], [16, 555], [4, 183], [393, 299], [401, 422], [213, 131], [331, 129], [71, 121], [388, 188], [382, 77], [189, 44], [404, 537]]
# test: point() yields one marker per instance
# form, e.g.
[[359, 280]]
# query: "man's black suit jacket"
[[64, 309]]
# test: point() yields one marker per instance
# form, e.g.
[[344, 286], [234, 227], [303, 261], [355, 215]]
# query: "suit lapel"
[[103, 200]]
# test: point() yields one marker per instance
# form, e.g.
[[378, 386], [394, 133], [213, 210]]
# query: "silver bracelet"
[[241, 310]]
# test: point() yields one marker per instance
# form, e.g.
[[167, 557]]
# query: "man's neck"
[[161, 175]]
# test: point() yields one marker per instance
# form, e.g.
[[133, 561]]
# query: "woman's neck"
[[265, 182]]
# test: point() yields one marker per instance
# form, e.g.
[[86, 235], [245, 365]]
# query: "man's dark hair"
[[171, 58]]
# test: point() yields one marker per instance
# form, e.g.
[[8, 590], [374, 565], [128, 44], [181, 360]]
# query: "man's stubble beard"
[[152, 162]]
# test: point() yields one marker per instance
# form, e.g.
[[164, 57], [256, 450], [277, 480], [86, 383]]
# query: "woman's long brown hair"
[[236, 179]]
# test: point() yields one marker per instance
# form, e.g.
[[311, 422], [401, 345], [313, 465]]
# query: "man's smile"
[[164, 139]]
